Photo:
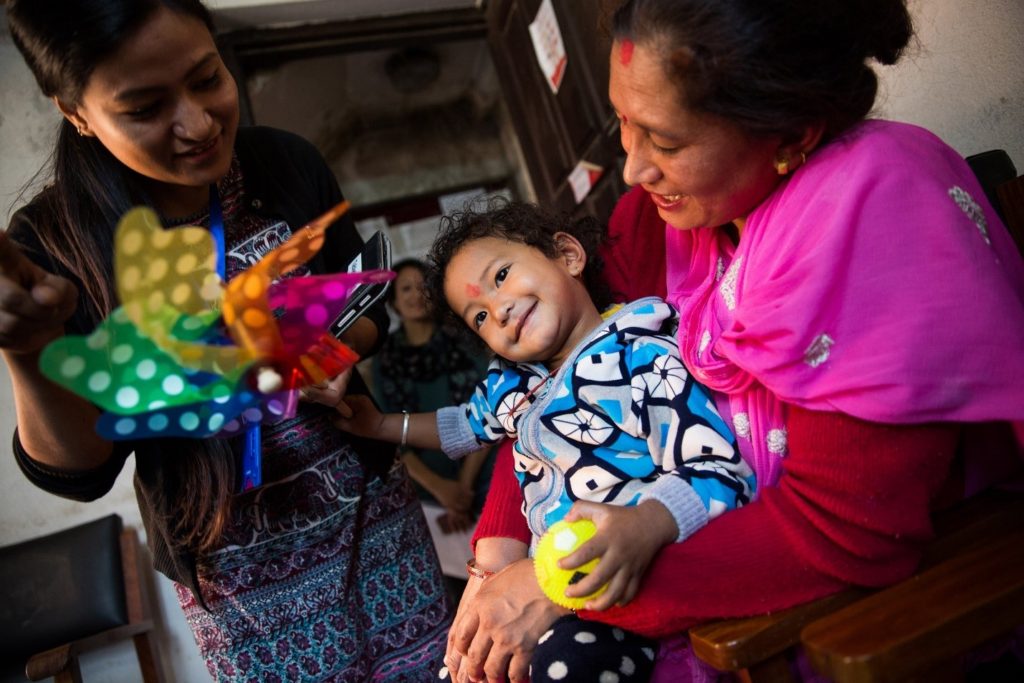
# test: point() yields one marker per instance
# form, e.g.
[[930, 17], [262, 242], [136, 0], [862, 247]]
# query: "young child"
[[602, 407]]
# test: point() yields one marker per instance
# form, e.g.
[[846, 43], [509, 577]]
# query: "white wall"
[[966, 83]]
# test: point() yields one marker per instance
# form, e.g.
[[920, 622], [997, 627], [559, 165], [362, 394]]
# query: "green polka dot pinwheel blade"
[[124, 372]]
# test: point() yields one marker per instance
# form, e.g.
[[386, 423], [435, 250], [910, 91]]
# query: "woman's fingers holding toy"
[[33, 303], [329, 392]]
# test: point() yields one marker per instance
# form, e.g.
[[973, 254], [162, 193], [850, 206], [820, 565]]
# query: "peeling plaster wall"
[[966, 83], [385, 144], [27, 126], [398, 137]]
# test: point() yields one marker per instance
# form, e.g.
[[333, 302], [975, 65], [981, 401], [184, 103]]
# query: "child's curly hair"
[[521, 222]]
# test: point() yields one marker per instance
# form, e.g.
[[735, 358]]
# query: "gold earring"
[[782, 166]]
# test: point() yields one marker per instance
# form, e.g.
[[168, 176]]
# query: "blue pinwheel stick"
[[252, 454]]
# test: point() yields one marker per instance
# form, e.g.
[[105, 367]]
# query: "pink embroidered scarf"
[[876, 281]]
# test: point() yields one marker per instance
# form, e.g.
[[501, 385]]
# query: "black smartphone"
[[376, 255]]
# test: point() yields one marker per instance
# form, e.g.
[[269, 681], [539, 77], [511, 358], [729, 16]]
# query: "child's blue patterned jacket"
[[621, 421]]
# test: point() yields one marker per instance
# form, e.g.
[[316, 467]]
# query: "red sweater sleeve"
[[852, 507], [502, 514], [634, 253]]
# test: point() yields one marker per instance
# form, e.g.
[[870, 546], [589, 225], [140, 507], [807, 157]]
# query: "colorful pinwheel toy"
[[160, 364]]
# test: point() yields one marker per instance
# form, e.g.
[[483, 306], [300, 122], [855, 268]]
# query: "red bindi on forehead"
[[626, 52], [472, 290]]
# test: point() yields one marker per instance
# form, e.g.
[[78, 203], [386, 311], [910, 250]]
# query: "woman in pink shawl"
[[844, 287]]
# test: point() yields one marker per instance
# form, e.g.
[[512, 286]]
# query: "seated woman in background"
[[420, 368], [845, 290]]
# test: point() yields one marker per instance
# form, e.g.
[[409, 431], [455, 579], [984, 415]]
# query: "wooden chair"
[[970, 591], [1011, 200], [1003, 187], [970, 588], [74, 591]]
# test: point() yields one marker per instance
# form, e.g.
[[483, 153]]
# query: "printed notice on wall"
[[547, 43], [583, 178]]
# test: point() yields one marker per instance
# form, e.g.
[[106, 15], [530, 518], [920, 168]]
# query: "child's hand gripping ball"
[[560, 540]]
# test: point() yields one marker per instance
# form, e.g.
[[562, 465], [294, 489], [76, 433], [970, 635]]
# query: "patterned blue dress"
[[325, 572]]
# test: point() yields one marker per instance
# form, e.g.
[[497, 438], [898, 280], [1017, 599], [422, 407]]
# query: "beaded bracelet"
[[478, 572]]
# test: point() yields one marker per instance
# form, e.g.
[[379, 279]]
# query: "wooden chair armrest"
[[51, 662], [735, 644], [926, 622], [750, 643]]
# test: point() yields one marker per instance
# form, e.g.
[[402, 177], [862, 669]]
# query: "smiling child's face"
[[524, 305]]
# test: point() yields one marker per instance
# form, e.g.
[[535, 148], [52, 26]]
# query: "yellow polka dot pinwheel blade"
[[156, 267], [169, 288]]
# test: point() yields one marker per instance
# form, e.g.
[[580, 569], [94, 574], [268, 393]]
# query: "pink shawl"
[[876, 281]]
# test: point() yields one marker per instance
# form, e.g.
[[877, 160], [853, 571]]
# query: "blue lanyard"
[[252, 459]]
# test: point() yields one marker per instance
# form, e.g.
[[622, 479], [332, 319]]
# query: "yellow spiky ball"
[[561, 539]]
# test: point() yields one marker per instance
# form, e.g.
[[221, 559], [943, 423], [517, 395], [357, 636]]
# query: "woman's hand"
[[55, 426], [452, 522], [358, 415], [626, 540], [329, 392], [497, 628], [34, 304], [452, 495], [453, 659]]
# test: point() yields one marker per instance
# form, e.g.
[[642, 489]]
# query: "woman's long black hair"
[[62, 43]]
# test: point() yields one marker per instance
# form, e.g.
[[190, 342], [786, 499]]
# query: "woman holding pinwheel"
[[326, 570]]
